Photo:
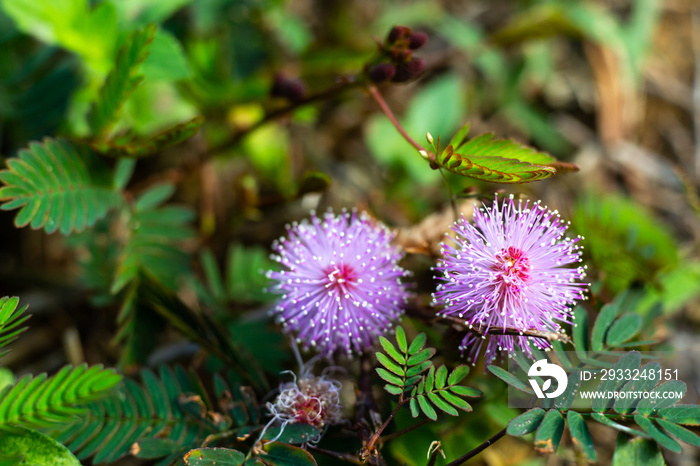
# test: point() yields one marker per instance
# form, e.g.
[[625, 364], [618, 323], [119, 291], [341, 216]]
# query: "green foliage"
[[41, 401], [438, 390], [623, 240], [11, 319], [58, 186], [133, 147], [21, 446], [121, 81], [402, 369], [243, 281], [172, 405], [154, 236], [214, 456], [495, 161]]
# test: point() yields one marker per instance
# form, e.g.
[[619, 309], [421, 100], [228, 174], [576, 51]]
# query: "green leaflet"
[[57, 185], [169, 406], [121, 82], [495, 160], [35, 448], [10, 321], [133, 147], [43, 401]]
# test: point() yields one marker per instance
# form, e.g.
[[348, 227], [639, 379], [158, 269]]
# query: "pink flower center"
[[308, 411], [512, 267], [341, 277]]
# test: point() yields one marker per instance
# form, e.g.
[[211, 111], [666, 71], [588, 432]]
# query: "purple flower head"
[[340, 284], [510, 270]]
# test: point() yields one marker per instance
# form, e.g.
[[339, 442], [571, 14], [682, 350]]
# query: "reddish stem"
[[374, 92]]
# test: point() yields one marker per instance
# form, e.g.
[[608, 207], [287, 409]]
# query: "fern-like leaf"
[[11, 319], [42, 401], [437, 390], [57, 186], [155, 234], [401, 368], [132, 147], [496, 160], [121, 81], [171, 409]]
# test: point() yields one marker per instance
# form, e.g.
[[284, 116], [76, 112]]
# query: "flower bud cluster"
[[397, 62]]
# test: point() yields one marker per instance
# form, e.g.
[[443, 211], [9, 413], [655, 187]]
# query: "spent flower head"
[[509, 270], [340, 284]]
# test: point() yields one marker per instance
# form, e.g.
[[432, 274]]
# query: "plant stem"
[[342, 456], [235, 138], [374, 92], [451, 194], [403, 431], [478, 449], [369, 449]]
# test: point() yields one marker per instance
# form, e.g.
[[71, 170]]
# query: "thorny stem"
[[478, 449], [374, 92], [369, 449]]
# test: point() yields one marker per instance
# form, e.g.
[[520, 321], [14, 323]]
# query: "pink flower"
[[340, 284], [509, 269]]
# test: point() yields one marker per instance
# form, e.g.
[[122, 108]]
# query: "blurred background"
[[613, 86]]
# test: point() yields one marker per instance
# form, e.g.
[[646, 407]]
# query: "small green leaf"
[[121, 82], [281, 454], [688, 415], [633, 451], [630, 361], [580, 435], [654, 403], [662, 439], [415, 370], [527, 422], [605, 319], [417, 344], [214, 457], [454, 400], [391, 350], [37, 449], [441, 377], [509, 378], [465, 391], [139, 147], [681, 433], [122, 173], [312, 182], [389, 377], [390, 365], [401, 339], [497, 161], [154, 447], [296, 433], [393, 389], [429, 380], [623, 329], [458, 374], [421, 356], [627, 404], [549, 432], [622, 428], [580, 332], [413, 404], [442, 404], [154, 197], [426, 407], [566, 399]]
